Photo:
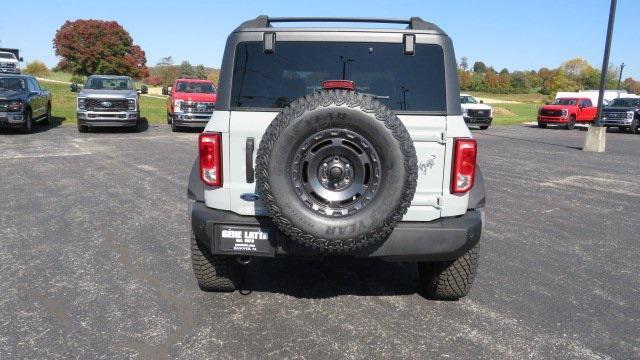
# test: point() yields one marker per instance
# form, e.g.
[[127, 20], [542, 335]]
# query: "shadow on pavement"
[[330, 277], [40, 127], [144, 126]]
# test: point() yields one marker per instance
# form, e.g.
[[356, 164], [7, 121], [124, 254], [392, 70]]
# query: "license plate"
[[245, 240]]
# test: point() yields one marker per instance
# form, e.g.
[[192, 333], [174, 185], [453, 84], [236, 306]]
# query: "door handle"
[[248, 153]]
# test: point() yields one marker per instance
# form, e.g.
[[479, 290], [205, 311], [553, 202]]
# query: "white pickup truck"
[[9, 61], [476, 112]]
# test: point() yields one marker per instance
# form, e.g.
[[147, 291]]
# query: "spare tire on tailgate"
[[336, 170]]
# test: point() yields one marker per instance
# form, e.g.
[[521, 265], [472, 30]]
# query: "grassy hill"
[[509, 109], [63, 104]]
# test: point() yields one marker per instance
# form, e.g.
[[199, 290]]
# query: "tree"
[[90, 47], [479, 67], [165, 61], [631, 85], [576, 68], [166, 71], [214, 76], [186, 70], [519, 82], [37, 68], [200, 72], [464, 63], [465, 79]]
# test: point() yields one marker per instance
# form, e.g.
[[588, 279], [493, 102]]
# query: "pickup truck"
[[567, 112], [475, 112], [190, 103], [108, 101], [623, 113], [23, 102], [10, 61]]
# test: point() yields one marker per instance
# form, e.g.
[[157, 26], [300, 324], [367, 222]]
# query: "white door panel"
[[245, 125]]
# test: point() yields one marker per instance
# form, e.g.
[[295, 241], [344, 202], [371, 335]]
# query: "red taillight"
[[464, 165], [338, 84], [210, 146]]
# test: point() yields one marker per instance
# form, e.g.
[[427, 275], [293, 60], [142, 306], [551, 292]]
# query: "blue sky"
[[502, 33]]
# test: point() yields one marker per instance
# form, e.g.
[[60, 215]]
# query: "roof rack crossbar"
[[339, 19]]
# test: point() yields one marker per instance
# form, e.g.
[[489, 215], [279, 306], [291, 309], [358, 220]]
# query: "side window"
[[33, 85], [30, 85], [586, 103]]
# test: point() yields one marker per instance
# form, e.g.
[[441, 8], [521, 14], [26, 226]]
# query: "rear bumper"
[[108, 119], [440, 240]]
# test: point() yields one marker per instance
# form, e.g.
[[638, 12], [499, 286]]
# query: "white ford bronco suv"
[[337, 142]]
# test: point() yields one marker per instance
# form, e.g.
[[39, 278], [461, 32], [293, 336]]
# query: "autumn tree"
[[631, 85], [90, 47], [166, 71], [465, 79], [36, 68]]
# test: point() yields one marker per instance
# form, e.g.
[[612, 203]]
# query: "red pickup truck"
[[567, 112], [191, 103]]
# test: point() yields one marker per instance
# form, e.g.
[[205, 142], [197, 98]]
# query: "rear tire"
[[571, 123], [449, 280], [542, 126], [214, 272]]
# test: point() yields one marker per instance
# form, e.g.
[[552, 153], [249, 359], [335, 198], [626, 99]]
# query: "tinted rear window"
[[402, 82]]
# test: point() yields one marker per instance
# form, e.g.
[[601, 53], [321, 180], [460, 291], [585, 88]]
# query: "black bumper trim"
[[190, 123], [439, 240], [478, 121]]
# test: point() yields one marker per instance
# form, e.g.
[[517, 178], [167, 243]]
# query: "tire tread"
[[449, 280], [214, 273]]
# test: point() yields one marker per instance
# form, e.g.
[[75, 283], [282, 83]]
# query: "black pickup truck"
[[23, 102], [622, 113]]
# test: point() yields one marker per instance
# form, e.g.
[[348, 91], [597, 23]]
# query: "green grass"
[[525, 110], [63, 105], [522, 112], [59, 76]]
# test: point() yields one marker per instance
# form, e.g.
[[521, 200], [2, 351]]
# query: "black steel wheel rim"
[[336, 172]]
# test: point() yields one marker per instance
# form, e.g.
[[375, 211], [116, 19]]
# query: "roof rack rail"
[[414, 23]]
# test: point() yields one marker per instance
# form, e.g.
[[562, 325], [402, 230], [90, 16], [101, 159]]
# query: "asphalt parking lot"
[[95, 262]]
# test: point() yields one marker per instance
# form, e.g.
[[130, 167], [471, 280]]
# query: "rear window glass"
[[195, 87], [402, 82]]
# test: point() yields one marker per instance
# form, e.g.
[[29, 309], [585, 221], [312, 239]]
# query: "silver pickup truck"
[[108, 101]]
